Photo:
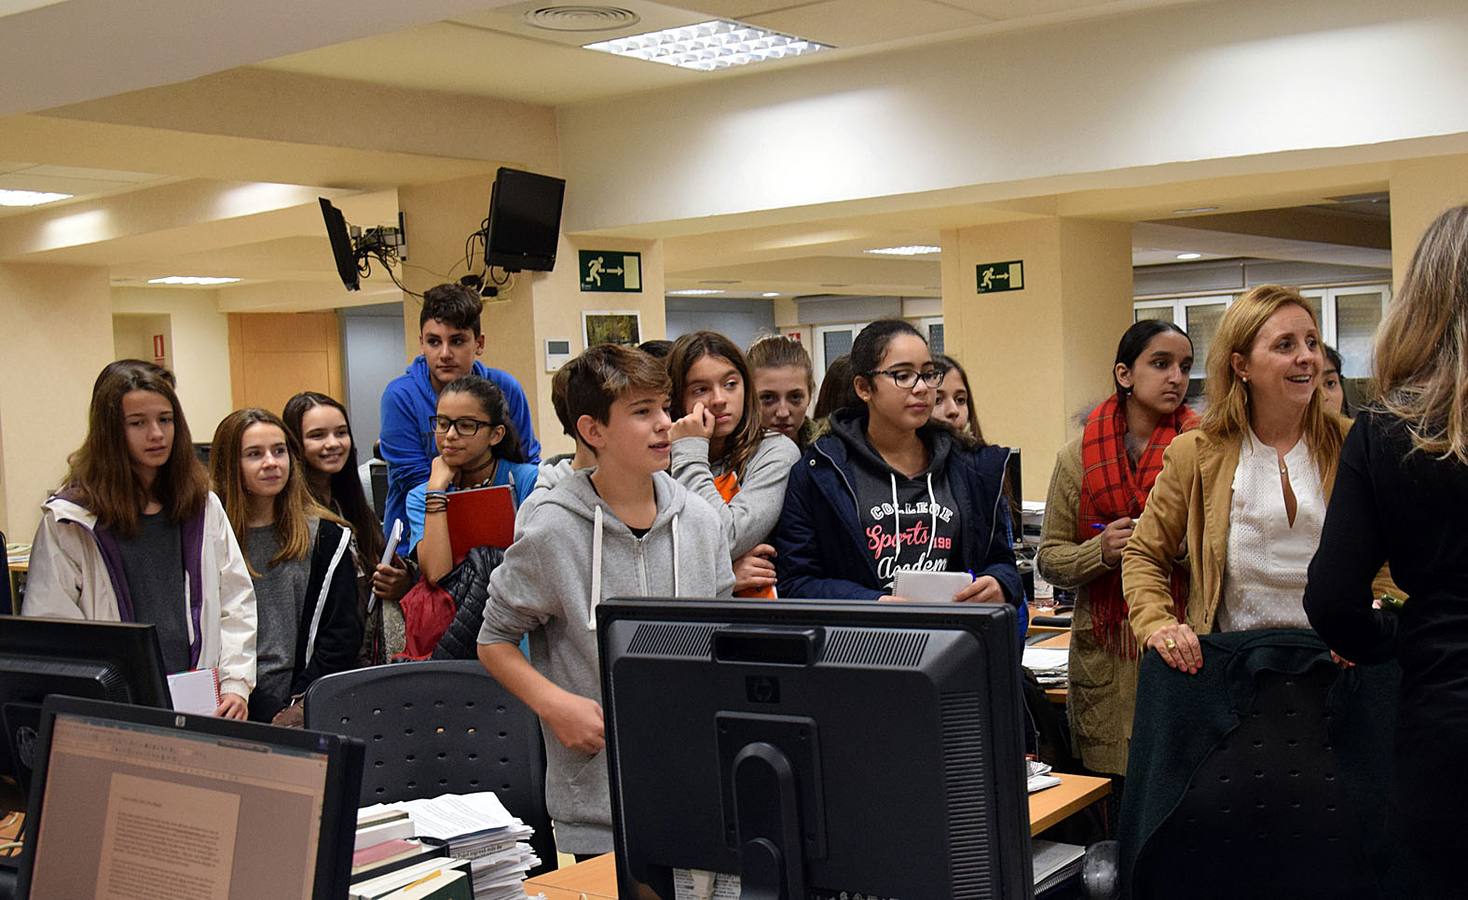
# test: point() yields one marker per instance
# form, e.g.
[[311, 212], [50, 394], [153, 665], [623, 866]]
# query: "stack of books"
[[391, 861], [475, 829]]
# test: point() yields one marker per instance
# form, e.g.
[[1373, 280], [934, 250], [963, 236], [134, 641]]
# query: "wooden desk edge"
[[593, 879]]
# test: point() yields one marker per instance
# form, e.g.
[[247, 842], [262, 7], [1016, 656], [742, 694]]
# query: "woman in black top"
[[1400, 496]]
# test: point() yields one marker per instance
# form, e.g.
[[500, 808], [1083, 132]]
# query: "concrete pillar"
[[56, 337], [1038, 356], [1422, 189]]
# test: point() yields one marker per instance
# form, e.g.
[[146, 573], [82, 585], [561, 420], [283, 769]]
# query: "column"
[[56, 337], [1421, 190], [1040, 355]]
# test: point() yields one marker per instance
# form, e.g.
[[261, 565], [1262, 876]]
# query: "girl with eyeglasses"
[[722, 452], [329, 455], [134, 535], [477, 447], [299, 555], [888, 490]]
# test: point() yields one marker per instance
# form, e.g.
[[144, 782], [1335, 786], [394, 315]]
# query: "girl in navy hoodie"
[[903, 492]]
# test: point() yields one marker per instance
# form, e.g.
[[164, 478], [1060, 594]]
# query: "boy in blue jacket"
[[450, 338]]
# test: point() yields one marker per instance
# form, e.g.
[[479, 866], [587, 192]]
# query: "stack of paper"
[[1039, 777], [477, 828], [1055, 863], [439, 879], [1050, 665]]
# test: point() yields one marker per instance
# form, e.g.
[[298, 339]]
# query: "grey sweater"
[[547, 587], [749, 518]]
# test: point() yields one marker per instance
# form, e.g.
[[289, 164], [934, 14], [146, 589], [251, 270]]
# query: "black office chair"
[[1268, 812], [439, 727], [378, 470]]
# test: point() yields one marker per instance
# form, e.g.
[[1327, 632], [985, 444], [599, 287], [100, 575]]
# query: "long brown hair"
[[1422, 347], [100, 473], [690, 348], [293, 505], [346, 487], [1227, 416]]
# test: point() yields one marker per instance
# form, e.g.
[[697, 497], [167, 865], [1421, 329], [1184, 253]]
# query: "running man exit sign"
[[1001, 276]]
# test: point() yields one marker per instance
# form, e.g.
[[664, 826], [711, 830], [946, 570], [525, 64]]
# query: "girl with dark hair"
[[299, 560], [722, 453], [1331, 384], [134, 535], [889, 490], [319, 425], [954, 403], [1097, 490], [783, 385], [836, 390], [477, 447]]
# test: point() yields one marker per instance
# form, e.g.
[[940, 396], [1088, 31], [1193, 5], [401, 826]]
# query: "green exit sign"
[[610, 271], [1001, 276]]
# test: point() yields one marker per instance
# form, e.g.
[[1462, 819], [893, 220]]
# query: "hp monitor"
[[814, 749]]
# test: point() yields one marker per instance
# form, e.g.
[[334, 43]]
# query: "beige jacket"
[[1189, 506], [68, 579]]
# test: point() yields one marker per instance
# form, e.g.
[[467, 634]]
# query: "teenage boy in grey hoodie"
[[625, 528]]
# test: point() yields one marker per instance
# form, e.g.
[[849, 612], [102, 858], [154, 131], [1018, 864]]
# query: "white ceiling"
[[82, 184], [496, 53]]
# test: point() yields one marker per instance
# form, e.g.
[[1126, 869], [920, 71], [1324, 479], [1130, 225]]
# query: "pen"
[[1097, 526]]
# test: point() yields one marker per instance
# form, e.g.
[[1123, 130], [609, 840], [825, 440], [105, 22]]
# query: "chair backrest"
[[1266, 811], [439, 727], [378, 471]]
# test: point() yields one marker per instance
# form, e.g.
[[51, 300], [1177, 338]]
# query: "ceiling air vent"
[[581, 18]]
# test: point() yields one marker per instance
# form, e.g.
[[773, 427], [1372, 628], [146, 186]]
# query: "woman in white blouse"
[[1241, 499]]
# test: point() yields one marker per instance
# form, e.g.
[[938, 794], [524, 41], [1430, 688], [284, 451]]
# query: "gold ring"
[[1170, 644]]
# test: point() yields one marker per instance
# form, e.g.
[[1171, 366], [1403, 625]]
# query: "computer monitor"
[[524, 221], [815, 748], [1013, 476], [138, 802], [115, 661], [341, 245]]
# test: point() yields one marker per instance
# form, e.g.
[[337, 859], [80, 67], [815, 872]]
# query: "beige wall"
[[132, 337], [198, 348], [57, 337], [1420, 191], [1037, 356]]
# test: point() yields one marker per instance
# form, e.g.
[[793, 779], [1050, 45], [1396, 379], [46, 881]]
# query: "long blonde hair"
[[294, 505], [1422, 347], [1227, 416]]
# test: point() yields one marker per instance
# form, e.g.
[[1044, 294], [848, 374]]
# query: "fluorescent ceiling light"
[[694, 292], [1195, 209], [770, 294], [1190, 256], [29, 198], [716, 44], [909, 250], [192, 280]]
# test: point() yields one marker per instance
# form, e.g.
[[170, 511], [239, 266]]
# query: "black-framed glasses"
[[466, 427], [906, 378]]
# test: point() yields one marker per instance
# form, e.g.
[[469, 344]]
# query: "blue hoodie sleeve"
[[799, 563], [519, 412], [403, 423]]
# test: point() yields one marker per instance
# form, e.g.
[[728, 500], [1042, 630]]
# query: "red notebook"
[[481, 517]]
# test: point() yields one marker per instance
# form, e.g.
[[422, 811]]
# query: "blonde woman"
[[1244, 494], [1400, 497]]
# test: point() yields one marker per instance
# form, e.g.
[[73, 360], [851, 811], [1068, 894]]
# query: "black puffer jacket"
[[468, 584]]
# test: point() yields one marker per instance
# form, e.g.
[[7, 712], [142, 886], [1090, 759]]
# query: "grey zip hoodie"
[[572, 553]]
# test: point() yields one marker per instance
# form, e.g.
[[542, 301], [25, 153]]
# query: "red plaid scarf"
[[1111, 490]]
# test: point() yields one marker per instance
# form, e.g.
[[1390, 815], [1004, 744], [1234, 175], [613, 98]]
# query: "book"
[[445, 884], [1054, 862], [481, 517], [386, 852], [380, 886], [372, 835], [378, 816], [195, 691]]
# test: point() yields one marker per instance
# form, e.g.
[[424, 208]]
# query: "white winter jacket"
[[68, 579]]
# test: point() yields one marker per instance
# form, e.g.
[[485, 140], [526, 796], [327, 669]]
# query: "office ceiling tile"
[[857, 23]]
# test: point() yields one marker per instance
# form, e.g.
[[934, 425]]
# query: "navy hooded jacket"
[[821, 549]]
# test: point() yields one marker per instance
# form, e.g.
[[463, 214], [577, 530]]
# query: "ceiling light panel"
[[708, 46], [30, 198], [694, 292], [194, 280], [909, 250]]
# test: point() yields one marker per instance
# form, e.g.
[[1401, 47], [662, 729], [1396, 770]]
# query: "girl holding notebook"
[[134, 535], [477, 447], [299, 554]]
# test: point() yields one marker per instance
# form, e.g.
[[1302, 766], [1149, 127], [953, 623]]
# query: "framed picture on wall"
[[612, 326]]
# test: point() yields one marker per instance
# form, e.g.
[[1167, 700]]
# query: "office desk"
[[1061, 641], [596, 879]]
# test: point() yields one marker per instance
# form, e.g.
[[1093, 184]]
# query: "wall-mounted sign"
[[610, 271], [1001, 276]]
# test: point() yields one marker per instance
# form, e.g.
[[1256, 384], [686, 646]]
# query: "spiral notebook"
[[195, 691]]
